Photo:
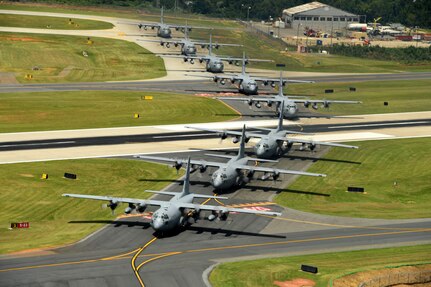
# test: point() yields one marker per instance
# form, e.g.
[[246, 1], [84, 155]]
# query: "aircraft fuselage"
[[227, 176], [214, 65], [248, 86], [164, 31], [169, 216]]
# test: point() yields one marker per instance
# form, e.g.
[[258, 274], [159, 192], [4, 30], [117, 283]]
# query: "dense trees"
[[410, 55], [408, 12]]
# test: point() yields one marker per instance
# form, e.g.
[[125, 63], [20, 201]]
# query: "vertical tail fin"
[[186, 31], [211, 43], [243, 63], [241, 152], [161, 15], [280, 117], [186, 184], [280, 86]]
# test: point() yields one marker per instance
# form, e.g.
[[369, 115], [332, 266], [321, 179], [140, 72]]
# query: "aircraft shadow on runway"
[[315, 159], [253, 188], [197, 229], [227, 232], [116, 223], [180, 182]]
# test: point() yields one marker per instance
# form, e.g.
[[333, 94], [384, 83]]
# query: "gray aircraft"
[[275, 142], [235, 171], [213, 64], [180, 211], [188, 46], [290, 108], [163, 29], [247, 84]]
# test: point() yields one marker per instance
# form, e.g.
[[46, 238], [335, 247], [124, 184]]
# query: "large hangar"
[[319, 16]]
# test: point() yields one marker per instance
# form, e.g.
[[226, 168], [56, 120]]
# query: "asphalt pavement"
[[110, 256], [196, 86]]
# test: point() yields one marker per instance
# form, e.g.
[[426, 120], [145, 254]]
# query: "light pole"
[[297, 35], [248, 14]]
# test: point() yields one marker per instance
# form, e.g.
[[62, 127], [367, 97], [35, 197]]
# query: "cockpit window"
[[165, 216]]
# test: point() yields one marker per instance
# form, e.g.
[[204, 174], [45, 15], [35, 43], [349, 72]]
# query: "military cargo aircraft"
[[178, 212], [163, 29], [188, 46], [275, 142], [236, 171], [290, 108], [214, 64], [246, 83]]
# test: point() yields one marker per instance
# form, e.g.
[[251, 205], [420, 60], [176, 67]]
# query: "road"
[[108, 257]]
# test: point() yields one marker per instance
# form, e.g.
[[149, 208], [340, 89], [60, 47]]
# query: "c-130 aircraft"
[[178, 212], [290, 103], [275, 142], [234, 172]]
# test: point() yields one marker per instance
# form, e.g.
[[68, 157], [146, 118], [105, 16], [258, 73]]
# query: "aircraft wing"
[[224, 209], [275, 80], [163, 42], [117, 199], [308, 101], [251, 99], [233, 59], [276, 171], [303, 141], [200, 58], [180, 162], [148, 25], [224, 133]]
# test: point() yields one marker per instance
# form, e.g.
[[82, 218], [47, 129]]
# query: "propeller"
[[129, 208], [112, 205]]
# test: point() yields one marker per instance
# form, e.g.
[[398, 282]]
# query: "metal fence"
[[418, 277]]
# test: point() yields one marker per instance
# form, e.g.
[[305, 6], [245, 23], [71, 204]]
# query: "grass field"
[[96, 109], [256, 46], [402, 96], [331, 265], [147, 14], [60, 59], [25, 197], [43, 22], [376, 165]]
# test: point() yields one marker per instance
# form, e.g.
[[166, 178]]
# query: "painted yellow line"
[[339, 225], [133, 262], [229, 247], [157, 257], [304, 240], [119, 256]]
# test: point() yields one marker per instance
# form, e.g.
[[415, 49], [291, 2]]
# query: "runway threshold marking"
[[378, 125]]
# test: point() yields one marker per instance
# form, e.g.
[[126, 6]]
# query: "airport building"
[[319, 16]]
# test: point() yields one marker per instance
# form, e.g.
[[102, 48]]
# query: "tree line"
[[408, 12]]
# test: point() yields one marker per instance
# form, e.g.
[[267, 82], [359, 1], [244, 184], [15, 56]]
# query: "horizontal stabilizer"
[[219, 155]]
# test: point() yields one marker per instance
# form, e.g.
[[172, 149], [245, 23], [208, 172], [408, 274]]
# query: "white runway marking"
[[36, 144], [183, 136], [379, 125]]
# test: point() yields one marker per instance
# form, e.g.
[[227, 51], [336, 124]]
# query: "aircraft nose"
[[157, 224], [260, 150], [217, 182]]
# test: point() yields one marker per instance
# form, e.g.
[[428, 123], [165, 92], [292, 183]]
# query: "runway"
[[126, 253], [195, 135], [110, 256], [196, 86]]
